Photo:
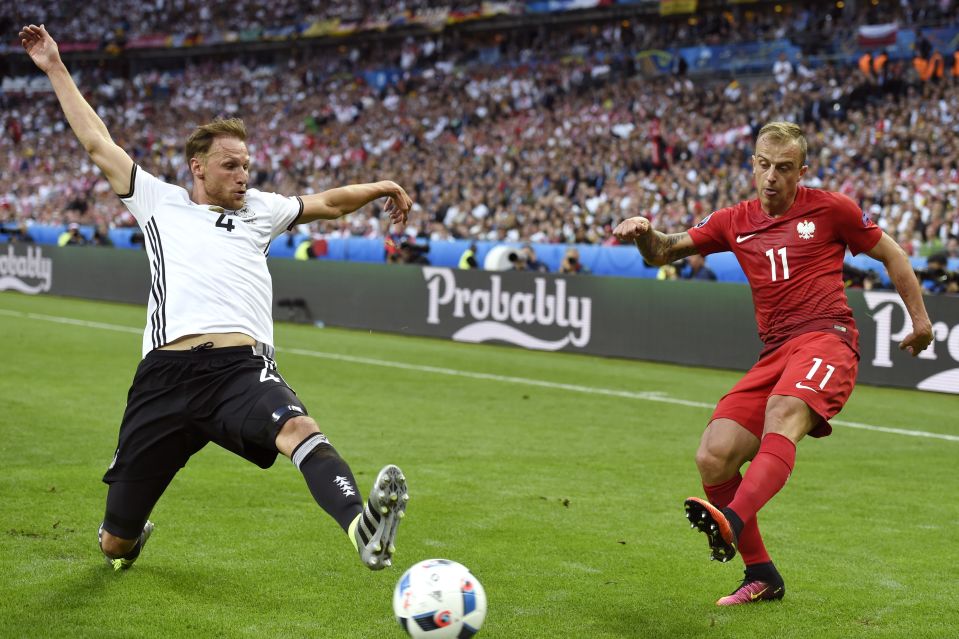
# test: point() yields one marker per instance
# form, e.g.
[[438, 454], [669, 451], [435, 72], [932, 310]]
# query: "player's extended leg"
[[761, 580], [371, 528], [788, 394], [788, 420], [125, 528], [724, 447]]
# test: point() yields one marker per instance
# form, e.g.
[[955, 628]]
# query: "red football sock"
[[721, 494], [750, 542], [766, 475]]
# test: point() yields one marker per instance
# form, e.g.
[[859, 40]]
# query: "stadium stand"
[[543, 135]]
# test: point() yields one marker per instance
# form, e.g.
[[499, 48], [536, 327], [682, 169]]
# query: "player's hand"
[[629, 230], [40, 47], [399, 204], [917, 341]]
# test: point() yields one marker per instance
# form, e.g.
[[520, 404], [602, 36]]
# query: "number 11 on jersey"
[[772, 262]]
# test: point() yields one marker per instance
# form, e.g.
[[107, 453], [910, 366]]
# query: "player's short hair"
[[785, 132], [200, 141]]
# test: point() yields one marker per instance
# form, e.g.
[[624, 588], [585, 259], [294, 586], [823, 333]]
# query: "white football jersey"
[[208, 264]]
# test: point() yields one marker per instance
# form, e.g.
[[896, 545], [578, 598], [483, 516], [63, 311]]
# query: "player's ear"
[[196, 168], [803, 169]]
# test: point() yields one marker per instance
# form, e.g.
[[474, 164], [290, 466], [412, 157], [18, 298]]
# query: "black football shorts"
[[180, 400]]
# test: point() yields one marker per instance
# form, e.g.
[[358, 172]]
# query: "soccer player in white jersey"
[[208, 373]]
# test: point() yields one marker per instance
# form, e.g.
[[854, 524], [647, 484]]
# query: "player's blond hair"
[[200, 141], [785, 132]]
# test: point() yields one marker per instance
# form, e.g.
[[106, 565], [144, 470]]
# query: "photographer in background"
[[16, 231], [854, 277], [571, 264], [72, 236], [696, 269], [936, 278], [533, 262], [517, 261], [412, 252]]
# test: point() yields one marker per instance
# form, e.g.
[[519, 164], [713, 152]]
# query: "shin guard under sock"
[[766, 475], [329, 479]]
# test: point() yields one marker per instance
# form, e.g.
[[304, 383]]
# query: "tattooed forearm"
[[658, 248]]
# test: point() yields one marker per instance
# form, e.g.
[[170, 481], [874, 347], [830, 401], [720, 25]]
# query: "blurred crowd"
[[119, 20], [811, 23], [556, 142]]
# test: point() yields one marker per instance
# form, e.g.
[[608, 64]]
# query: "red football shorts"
[[818, 368]]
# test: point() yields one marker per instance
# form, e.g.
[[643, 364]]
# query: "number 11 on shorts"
[[815, 368]]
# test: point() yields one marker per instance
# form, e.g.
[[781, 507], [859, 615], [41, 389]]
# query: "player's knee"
[[115, 546], [717, 459], [713, 461], [294, 431], [299, 427], [721, 452]]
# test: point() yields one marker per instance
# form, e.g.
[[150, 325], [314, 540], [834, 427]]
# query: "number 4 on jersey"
[[229, 223]]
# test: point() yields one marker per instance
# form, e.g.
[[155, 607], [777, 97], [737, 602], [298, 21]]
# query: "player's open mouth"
[[769, 192]]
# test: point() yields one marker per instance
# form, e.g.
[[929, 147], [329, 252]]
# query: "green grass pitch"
[[564, 498]]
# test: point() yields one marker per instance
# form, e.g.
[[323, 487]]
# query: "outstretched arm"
[[86, 124], [340, 201], [907, 285], [657, 248]]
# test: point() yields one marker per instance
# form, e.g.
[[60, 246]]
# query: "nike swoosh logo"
[[756, 595], [742, 238], [801, 385]]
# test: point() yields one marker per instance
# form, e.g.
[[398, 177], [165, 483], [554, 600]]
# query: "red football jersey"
[[793, 262]]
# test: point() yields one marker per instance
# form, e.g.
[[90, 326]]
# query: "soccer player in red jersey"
[[790, 241]]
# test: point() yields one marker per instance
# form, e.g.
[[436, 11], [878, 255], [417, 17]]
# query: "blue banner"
[[556, 6], [381, 78], [750, 57]]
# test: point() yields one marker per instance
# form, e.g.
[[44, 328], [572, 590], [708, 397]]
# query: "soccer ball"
[[439, 599]]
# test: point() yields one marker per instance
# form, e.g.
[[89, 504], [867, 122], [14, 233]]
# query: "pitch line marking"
[[592, 390], [653, 396], [74, 322]]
